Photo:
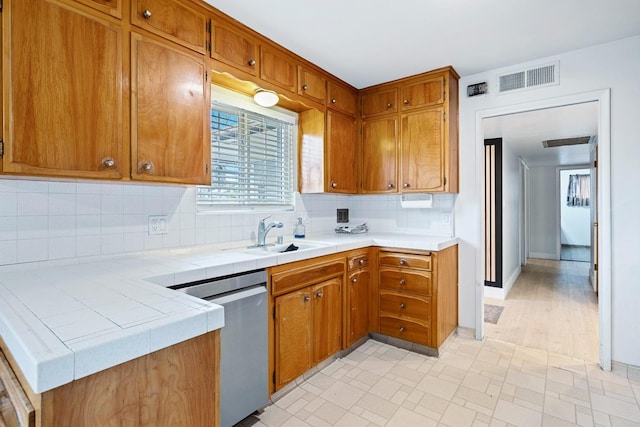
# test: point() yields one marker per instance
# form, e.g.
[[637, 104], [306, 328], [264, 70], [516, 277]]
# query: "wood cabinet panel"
[[327, 318], [406, 329], [423, 152], [359, 288], [406, 280], [423, 93], [110, 7], [398, 259], [169, 109], [278, 68], [305, 274], [341, 98], [172, 19], [377, 102], [53, 122], [15, 407], [311, 85], [356, 262], [379, 154], [293, 329], [234, 47], [342, 154]]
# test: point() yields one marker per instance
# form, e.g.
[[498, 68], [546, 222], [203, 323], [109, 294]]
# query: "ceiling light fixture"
[[265, 98]]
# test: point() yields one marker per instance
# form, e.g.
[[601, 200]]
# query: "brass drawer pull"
[[319, 294], [403, 261], [354, 280], [402, 305], [403, 282], [401, 329], [306, 298]]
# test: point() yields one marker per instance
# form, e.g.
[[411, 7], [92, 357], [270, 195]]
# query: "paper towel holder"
[[416, 201]]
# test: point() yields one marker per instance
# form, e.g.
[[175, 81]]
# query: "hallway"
[[551, 307]]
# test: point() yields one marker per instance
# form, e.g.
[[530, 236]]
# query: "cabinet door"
[[111, 7], [327, 318], [311, 85], [63, 85], [342, 154], [341, 98], [379, 155], [172, 19], [278, 68], [169, 113], [234, 47], [293, 326], [359, 293], [379, 102], [422, 152], [424, 93]]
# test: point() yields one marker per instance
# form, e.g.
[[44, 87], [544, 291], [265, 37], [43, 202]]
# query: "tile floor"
[[472, 383], [575, 253]]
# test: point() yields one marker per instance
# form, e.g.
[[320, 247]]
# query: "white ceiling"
[[365, 42]]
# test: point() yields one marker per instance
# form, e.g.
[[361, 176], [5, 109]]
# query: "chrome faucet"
[[263, 230]]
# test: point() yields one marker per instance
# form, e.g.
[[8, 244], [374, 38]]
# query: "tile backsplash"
[[45, 220]]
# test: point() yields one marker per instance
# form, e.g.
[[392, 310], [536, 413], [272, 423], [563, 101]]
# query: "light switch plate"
[[158, 224]]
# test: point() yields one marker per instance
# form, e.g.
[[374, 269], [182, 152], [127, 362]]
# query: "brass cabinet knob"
[[305, 87], [306, 298], [403, 261], [319, 294], [361, 261], [407, 185], [354, 280], [146, 14], [390, 185], [403, 282], [389, 105], [401, 329], [405, 102], [333, 184], [146, 166], [402, 305], [108, 162], [251, 62], [333, 100]]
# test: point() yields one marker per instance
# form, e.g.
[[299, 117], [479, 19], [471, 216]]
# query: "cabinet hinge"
[[273, 377], [1, 141], [208, 46], [444, 96], [595, 163], [595, 267], [274, 312], [208, 26], [444, 116], [444, 180]]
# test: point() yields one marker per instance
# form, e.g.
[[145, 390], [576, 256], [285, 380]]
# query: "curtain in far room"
[[579, 190]]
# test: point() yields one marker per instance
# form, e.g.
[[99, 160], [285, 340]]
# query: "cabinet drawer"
[[394, 259], [402, 305], [172, 19], [405, 329], [357, 261], [341, 98], [296, 278], [379, 102], [406, 280]]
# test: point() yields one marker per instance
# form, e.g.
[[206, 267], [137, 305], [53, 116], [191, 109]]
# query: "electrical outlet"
[[445, 217], [342, 216], [158, 224]]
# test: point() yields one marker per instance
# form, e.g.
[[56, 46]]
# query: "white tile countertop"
[[64, 322]]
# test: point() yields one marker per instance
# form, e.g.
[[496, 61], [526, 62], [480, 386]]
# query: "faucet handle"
[[262, 220]]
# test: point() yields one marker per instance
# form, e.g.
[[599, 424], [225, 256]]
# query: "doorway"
[[603, 246], [575, 214]]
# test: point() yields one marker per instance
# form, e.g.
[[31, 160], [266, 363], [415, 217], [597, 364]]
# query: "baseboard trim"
[[543, 255]]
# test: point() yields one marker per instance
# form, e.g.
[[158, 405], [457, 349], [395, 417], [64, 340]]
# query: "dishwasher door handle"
[[235, 296]]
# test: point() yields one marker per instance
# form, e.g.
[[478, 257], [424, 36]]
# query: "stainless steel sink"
[[281, 248]]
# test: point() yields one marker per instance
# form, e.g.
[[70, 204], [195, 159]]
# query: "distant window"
[[252, 160]]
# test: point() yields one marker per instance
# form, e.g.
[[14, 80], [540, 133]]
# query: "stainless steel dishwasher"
[[244, 361]]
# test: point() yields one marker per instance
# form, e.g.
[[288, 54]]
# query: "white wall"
[[543, 212], [510, 217], [46, 220], [612, 65], [575, 221]]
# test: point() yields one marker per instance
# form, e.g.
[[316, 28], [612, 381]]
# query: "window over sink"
[[253, 155]]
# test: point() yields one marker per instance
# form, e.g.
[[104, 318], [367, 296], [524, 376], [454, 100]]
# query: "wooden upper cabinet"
[[379, 154], [377, 102], [423, 93], [342, 154], [63, 112], [172, 19], [170, 136], [234, 47], [110, 7], [311, 85], [278, 68], [341, 98], [423, 151]]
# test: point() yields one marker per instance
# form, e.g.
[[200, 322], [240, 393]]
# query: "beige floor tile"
[[560, 409], [517, 415], [619, 408], [525, 380], [458, 416], [406, 418], [438, 387], [329, 412], [478, 398], [385, 388], [551, 421], [379, 406], [343, 395], [351, 420], [476, 382]]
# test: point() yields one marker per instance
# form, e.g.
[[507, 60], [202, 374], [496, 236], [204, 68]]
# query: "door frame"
[[559, 169], [603, 97]]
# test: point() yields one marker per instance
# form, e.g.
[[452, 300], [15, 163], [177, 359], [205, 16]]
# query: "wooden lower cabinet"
[[358, 290], [174, 386], [307, 323], [418, 295]]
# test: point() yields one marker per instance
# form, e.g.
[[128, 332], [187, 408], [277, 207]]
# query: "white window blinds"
[[251, 160]]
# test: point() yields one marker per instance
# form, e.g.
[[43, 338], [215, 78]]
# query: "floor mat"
[[492, 313]]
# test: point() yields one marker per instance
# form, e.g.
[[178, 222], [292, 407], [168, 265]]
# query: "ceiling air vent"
[[549, 143], [541, 76]]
